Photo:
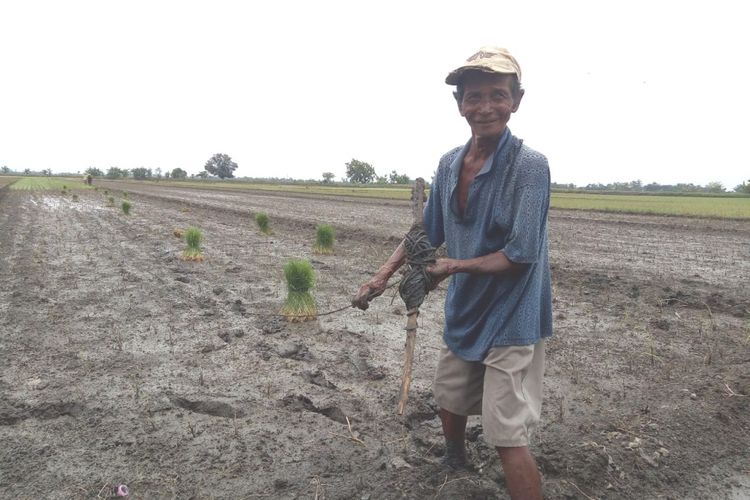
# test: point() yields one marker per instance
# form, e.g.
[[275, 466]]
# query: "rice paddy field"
[[47, 183], [126, 360]]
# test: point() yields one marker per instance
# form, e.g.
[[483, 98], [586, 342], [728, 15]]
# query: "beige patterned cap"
[[489, 60]]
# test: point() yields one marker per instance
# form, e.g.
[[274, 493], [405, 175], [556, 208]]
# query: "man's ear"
[[458, 102], [517, 102]]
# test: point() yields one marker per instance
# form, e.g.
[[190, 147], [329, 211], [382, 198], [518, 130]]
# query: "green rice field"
[[725, 207], [384, 192], [48, 184]]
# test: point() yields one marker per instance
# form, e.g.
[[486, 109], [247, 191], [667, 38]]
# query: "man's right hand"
[[378, 283], [373, 288]]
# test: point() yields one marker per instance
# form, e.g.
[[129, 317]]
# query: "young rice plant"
[[300, 279], [110, 201], [75, 197], [126, 207], [262, 220], [324, 239], [193, 237]]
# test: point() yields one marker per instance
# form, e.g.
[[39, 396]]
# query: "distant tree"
[[94, 172], [715, 187], [47, 172], [221, 165], [396, 178], [328, 177], [26, 171], [157, 172], [5, 169], [178, 173], [202, 175], [141, 173], [743, 188], [360, 172], [116, 173]]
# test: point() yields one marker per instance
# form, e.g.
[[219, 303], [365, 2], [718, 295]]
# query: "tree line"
[[360, 172]]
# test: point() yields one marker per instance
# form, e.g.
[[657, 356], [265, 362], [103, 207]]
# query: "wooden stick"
[[417, 206], [411, 339]]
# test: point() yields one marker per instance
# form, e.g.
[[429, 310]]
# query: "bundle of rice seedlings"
[[75, 197], [126, 207], [193, 237], [262, 220], [324, 239], [110, 201], [300, 279], [125, 194]]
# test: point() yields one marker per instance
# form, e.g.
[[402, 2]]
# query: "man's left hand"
[[440, 270]]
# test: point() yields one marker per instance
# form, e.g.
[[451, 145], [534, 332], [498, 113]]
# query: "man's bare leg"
[[521, 475], [454, 430]]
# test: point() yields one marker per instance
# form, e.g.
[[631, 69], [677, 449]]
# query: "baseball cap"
[[488, 60]]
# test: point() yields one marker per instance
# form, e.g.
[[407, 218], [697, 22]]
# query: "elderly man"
[[488, 204]]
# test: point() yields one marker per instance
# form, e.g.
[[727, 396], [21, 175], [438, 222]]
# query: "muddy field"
[[122, 364]]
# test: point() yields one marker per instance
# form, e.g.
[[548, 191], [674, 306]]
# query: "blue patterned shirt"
[[506, 211]]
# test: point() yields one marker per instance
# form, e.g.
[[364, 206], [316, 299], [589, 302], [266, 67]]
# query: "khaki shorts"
[[505, 388]]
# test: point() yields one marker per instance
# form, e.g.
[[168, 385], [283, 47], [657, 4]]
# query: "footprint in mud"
[[360, 362], [207, 407], [292, 350], [300, 402], [317, 377], [11, 416]]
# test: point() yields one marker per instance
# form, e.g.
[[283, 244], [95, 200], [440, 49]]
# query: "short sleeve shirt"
[[506, 211]]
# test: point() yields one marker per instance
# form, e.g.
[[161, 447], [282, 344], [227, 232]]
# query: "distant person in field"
[[488, 204]]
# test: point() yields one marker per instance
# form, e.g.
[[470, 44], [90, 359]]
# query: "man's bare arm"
[[494, 263], [378, 283]]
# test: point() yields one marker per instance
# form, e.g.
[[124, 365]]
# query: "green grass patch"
[[126, 206], [193, 238], [724, 207], [300, 280], [325, 237], [47, 184], [388, 192], [263, 222]]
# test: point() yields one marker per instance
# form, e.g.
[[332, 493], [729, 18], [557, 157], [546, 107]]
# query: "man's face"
[[487, 103]]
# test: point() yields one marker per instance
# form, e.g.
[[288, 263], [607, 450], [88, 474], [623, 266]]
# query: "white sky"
[[615, 91]]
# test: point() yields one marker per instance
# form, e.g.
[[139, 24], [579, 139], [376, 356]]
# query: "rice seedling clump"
[[110, 201], [325, 237], [300, 279], [75, 197], [126, 207], [193, 237], [263, 222]]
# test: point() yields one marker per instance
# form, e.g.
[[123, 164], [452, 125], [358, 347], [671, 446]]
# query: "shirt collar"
[[459, 159]]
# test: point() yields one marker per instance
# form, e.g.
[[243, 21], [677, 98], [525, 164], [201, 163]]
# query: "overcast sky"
[[615, 91]]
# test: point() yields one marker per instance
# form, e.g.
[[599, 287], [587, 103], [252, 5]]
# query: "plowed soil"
[[120, 363]]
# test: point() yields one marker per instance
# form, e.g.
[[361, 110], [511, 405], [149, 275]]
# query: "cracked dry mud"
[[122, 363]]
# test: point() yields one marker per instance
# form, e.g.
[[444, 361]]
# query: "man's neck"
[[484, 147]]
